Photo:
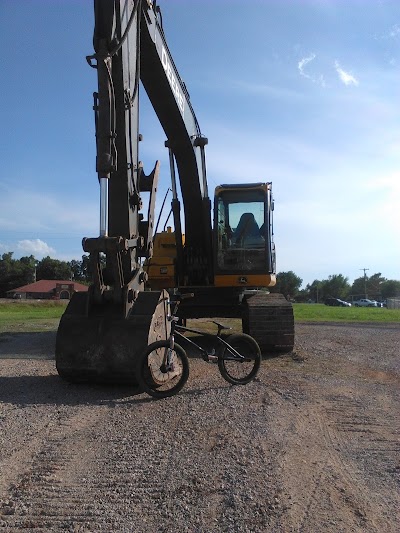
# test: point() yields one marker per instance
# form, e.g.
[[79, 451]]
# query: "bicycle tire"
[[235, 370], [153, 379]]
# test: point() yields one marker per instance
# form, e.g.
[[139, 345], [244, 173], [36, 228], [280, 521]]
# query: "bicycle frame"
[[205, 355], [178, 329]]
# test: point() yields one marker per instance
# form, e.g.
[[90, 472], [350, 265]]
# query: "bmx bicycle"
[[164, 366]]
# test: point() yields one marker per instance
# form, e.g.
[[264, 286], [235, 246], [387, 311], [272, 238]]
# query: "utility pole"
[[365, 281]]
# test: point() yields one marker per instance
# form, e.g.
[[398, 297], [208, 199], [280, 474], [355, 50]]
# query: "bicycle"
[[164, 366]]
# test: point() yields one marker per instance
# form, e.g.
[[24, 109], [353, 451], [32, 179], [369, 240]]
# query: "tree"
[[375, 282], [368, 286], [6, 267], [28, 264], [15, 272], [49, 268], [390, 288], [287, 283], [336, 286], [314, 290], [80, 269], [359, 286]]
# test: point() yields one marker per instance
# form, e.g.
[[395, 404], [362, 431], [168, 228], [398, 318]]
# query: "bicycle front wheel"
[[163, 372], [239, 369]]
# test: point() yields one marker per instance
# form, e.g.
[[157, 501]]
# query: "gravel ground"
[[311, 445]]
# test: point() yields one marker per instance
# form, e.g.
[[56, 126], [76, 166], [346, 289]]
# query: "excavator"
[[222, 254]]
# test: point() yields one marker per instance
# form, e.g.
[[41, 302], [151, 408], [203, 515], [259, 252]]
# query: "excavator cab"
[[244, 250]]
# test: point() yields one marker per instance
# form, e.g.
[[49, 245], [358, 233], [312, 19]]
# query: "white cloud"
[[345, 77], [392, 33], [330, 204], [42, 224], [302, 64], [32, 211], [36, 247]]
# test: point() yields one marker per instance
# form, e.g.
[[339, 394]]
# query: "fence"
[[393, 303]]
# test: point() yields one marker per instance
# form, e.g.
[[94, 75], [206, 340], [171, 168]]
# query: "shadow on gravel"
[[33, 390], [208, 343], [40, 345], [23, 391]]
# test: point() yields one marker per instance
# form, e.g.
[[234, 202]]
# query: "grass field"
[[34, 315], [43, 315], [325, 313]]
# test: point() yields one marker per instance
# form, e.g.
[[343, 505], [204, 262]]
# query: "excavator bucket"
[[104, 348]]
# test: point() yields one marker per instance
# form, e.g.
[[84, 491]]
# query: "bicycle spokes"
[[239, 360], [164, 370]]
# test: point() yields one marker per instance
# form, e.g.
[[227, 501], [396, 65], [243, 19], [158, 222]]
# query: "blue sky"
[[303, 93]]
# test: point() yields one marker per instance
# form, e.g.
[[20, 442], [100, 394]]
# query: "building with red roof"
[[47, 289]]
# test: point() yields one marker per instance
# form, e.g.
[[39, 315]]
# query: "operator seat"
[[247, 228]]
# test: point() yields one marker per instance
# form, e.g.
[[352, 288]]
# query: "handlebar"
[[185, 296], [177, 298]]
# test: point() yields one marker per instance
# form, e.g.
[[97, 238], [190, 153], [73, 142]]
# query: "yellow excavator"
[[228, 263]]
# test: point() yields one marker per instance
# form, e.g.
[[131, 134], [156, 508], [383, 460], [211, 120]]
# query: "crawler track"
[[269, 319]]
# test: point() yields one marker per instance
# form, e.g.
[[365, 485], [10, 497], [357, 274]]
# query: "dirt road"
[[312, 445]]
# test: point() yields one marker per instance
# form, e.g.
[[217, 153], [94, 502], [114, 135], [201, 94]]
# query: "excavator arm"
[[124, 236], [186, 145]]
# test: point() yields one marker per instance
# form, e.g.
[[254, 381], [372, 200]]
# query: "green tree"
[[49, 268], [390, 288], [6, 268], [15, 272], [287, 283], [28, 265], [80, 269], [336, 286], [375, 282], [314, 290], [368, 286], [359, 287]]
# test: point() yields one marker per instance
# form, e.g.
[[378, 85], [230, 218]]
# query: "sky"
[[303, 93]]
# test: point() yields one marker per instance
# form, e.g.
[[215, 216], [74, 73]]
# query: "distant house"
[[47, 289]]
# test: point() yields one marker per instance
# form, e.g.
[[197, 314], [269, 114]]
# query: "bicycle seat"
[[220, 326]]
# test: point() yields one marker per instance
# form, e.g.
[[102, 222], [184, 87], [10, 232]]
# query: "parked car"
[[364, 302], [337, 302]]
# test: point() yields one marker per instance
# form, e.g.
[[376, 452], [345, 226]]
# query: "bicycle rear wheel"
[[239, 370], [159, 379]]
